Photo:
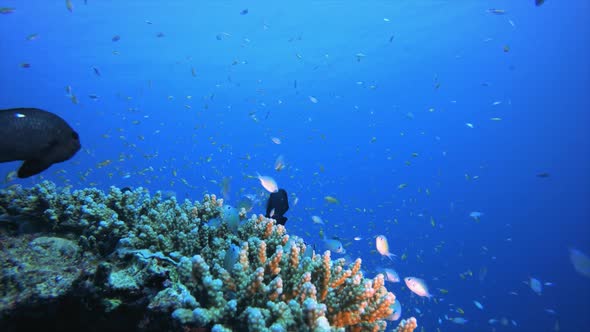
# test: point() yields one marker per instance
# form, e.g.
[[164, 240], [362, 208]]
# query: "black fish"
[[36, 136], [278, 202]]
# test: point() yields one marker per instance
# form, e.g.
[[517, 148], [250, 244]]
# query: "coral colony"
[[177, 265]]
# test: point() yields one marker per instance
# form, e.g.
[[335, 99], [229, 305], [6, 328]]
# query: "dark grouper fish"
[[277, 206], [36, 136]]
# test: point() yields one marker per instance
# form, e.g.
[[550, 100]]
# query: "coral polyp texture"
[[172, 266]]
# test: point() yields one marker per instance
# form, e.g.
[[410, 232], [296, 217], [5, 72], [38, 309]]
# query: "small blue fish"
[[231, 257], [96, 71], [397, 311], [231, 217], [335, 246], [536, 285], [580, 261], [458, 320]]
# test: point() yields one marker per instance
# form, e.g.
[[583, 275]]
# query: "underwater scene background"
[[459, 130]]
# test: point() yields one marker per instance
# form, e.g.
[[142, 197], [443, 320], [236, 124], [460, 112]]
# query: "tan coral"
[[243, 258], [262, 253], [275, 288], [273, 264], [256, 281], [294, 256], [228, 281], [346, 318], [305, 278], [325, 282], [382, 309], [268, 231], [407, 325]]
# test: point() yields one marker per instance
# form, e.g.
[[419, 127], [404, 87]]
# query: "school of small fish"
[[323, 202]]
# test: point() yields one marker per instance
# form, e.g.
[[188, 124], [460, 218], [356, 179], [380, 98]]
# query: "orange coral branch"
[[262, 253], [326, 275], [273, 264]]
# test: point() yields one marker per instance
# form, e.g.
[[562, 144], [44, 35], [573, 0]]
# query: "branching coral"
[[312, 288], [257, 278]]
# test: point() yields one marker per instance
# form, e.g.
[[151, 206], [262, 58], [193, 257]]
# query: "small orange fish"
[[383, 246]]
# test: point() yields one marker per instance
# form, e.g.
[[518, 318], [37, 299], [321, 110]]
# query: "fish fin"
[[32, 167]]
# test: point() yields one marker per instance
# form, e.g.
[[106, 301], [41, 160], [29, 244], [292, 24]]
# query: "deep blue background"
[[355, 142]]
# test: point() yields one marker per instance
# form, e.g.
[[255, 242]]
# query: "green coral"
[[134, 246]]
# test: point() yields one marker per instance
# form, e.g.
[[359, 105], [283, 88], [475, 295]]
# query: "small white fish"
[[418, 286], [268, 183], [498, 102], [391, 275], [357, 238], [386, 19], [276, 140], [478, 305], [536, 285], [313, 99], [470, 125], [383, 246], [476, 215], [317, 220]]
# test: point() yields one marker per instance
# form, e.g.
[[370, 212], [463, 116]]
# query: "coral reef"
[[125, 260], [407, 325]]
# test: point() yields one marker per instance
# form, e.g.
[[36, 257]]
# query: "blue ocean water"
[[412, 114]]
